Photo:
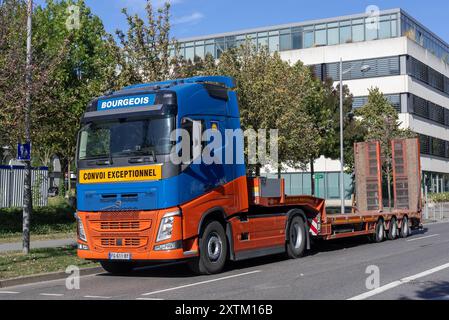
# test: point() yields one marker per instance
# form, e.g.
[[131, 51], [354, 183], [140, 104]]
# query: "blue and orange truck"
[[136, 206]]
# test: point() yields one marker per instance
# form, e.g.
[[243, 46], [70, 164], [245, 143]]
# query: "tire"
[[393, 230], [213, 249], [379, 234], [117, 267], [297, 237], [405, 229]]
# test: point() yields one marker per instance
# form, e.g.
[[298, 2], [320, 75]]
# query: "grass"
[[17, 264], [51, 222]]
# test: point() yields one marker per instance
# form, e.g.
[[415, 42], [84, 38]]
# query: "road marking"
[[426, 237], [9, 292], [149, 299], [97, 297], [52, 294], [201, 282], [397, 283]]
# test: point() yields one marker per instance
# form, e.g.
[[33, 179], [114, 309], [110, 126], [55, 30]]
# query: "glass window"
[[273, 33], [308, 39], [332, 36], [333, 185], [345, 34], [371, 27], [126, 138], [219, 47], [384, 30], [199, 52], [297, 40], [394, 28], [274, 43], [358, 33], [210, 49], [262, 34], [190, 53], [285, 42], [262, 42], [321, 37]]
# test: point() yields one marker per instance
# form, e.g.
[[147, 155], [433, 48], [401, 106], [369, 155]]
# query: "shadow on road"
[[181, 270], [430, 290]]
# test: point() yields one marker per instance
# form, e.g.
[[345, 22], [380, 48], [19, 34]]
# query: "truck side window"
[[195, 129]]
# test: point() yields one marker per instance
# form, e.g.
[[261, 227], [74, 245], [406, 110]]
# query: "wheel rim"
[[395, 229], [381, 231], [214, 247], [296, 236]]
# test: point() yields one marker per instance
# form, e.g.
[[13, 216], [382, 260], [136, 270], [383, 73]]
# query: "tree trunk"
[[279, 172], [312, 176], [257, 170]]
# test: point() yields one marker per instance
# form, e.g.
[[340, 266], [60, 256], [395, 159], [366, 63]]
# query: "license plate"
[[119, 256]]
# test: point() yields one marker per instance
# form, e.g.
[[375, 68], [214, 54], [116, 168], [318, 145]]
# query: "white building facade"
[[408, 63]]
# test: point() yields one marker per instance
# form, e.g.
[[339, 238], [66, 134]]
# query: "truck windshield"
[[122, 138]]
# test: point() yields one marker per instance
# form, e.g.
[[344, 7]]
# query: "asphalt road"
[[412, 268]]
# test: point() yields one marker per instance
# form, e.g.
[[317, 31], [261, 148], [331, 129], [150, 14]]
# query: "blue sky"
[[200, 17]]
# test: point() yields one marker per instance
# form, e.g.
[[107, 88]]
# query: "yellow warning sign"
[[122, 174]]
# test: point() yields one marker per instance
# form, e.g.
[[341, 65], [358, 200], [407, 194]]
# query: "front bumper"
[[132, 232]]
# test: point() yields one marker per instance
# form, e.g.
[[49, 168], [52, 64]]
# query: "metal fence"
[[436, 211], [12, 186]]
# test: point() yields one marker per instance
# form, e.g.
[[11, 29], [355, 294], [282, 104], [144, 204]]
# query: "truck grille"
[[120, 225], [120, 242]]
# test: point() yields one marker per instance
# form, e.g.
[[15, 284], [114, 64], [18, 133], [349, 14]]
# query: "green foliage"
[[380, 122], [15, 264], [50, 219], [143, 53], [438, 197]]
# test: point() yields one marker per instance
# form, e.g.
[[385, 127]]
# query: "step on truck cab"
[[136, 205]]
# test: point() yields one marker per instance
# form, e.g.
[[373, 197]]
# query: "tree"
[[84, 71], [272, 95], [143, 53], [381, 123]]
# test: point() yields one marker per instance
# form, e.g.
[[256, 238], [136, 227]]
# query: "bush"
[[438, 197], [57, 217]]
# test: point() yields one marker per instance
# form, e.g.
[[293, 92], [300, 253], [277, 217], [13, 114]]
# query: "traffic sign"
[[24, 151], [319, 176]]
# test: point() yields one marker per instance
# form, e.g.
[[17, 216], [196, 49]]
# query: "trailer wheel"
[[379, 235], [393, 230], [213, 248], [117, 267], [405, 229], [296, 243]]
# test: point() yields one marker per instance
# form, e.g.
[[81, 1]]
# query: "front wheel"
[[296, 243], [213, 249], [117, 267]]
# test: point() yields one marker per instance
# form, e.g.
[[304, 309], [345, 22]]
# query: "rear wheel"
[[213, 248], [296, 243], [379, 234], [393, 230], [405, 228], [117, 267]]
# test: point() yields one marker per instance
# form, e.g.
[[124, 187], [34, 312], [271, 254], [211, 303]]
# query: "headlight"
[[81, 231], [166, 226]]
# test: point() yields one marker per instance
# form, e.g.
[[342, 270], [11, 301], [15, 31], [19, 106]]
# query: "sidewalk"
[[17, 246]]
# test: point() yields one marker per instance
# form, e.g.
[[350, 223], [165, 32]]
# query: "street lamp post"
[[364, 68]]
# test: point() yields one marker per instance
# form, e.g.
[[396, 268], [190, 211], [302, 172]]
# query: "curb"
[[46, 277]]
